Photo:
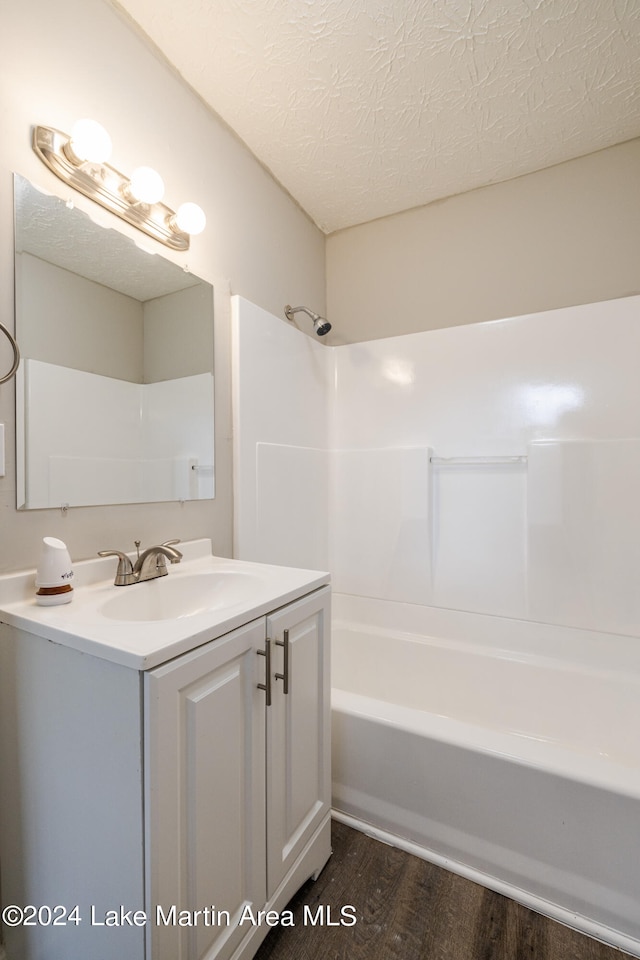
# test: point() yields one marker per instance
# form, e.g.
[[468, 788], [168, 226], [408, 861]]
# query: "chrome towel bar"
[[470, 461]]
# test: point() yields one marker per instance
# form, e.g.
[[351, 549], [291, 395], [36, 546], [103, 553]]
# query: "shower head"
[[320, 325]]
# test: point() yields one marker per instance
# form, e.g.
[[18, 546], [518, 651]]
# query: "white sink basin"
[[146, 624], [170, 598]]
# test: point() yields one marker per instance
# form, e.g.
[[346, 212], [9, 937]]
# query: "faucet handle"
[[124, 573], [170, 543]]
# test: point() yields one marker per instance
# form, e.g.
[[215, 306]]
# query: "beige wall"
[[74, 322], [75, 58], [178, 334], [559, 237]]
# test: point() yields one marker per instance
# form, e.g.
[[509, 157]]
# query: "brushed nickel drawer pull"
[[284, 676], [267, 670]]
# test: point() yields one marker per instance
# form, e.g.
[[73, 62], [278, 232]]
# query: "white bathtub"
[[506, 751]]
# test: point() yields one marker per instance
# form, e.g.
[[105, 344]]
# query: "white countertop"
[[144, 644]]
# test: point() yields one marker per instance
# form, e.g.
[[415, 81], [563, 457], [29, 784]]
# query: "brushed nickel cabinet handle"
[[266, 686], [284, 676]]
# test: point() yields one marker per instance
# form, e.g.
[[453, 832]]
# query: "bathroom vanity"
[[164, 757]]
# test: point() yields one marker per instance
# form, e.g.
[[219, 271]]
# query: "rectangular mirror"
[[114, 395]]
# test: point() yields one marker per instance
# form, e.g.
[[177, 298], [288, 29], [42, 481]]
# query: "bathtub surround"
[[348, 449], [478, 485]]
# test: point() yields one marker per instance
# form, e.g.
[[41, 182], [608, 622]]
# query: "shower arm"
[[289, 312]]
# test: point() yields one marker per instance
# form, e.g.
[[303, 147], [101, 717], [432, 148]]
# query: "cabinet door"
[[204, 796], [298, 746]]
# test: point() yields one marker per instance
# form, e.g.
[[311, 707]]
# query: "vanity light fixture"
[[145, 186], [80, 160], [88, 141], [190, 218]]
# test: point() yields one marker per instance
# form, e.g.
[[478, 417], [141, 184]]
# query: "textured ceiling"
[[46, 228], [363, 108]]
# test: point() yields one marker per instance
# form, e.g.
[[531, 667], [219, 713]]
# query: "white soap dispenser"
[[54, 574]]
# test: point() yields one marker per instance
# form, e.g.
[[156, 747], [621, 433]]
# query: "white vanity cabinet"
[[239, 781], [176, 791]]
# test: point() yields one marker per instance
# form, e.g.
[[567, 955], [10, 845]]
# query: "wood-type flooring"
[[409, 909]]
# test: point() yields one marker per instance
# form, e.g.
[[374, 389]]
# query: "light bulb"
[[146, 185], [190, 218], [90, 141]]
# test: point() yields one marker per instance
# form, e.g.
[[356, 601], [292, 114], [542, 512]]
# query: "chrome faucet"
[[151, 563]]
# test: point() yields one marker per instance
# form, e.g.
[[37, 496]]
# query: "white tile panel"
[[480, 537], [281, 381], [380, 522], [584, 534], [292, 491]]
